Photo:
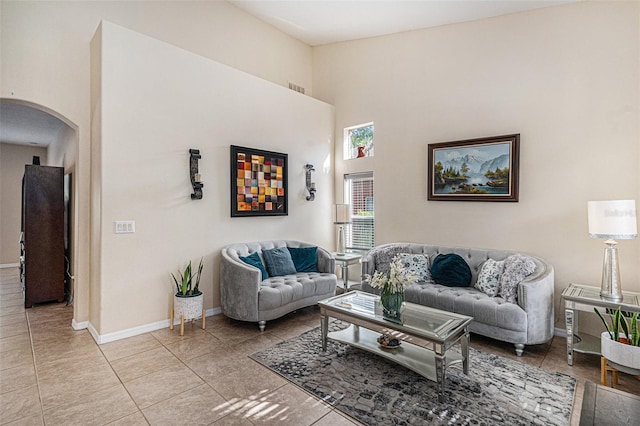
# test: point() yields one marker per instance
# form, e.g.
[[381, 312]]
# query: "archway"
[[29, 125]]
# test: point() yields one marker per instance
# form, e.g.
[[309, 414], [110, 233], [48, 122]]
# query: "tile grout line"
[[201, 378], [35, 366], [208, 384], [122, 383]]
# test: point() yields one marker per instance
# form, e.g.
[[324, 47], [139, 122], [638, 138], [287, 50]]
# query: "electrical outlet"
[[125, 226]]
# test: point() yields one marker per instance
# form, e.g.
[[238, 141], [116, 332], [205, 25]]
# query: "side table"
[[346, 259], [585, 298]]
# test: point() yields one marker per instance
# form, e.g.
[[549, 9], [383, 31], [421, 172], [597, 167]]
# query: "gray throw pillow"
[[516, 268], [278, 262], [385, 256]]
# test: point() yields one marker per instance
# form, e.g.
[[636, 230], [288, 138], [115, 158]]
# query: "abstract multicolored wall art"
[[258, 182]]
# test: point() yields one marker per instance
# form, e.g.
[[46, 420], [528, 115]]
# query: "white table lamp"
[[612, 220], [341, 216]]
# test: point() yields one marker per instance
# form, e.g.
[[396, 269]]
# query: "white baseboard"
[[79, 325], [135, 331], [9, 265], [560, 332]]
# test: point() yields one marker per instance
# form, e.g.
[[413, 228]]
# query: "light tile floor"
[[51, 374]]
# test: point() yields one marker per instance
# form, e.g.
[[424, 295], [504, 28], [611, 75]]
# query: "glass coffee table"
[[425, 334]]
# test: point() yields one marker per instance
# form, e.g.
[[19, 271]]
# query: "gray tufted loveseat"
[[246, 297], [528, 322]]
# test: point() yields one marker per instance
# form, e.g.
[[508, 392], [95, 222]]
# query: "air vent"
[[296, 88]]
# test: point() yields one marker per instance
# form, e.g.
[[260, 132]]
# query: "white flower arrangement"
[[394, 280]]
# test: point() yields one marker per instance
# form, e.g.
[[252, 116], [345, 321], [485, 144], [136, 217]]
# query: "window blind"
[[360, 234]]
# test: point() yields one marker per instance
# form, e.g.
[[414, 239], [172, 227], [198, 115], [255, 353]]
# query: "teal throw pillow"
[[451, 270], [305, 259], [279, 262], [254, 260]]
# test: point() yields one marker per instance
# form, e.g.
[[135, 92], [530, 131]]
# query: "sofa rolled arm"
[[536, 298], [326, 263], [239, 286], [368, 265]]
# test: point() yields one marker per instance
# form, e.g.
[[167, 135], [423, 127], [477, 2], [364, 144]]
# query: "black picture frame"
[[474, 169], [259, 182]]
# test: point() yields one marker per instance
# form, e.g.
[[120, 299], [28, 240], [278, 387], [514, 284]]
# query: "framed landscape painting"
[[484, 169], [258, 182]]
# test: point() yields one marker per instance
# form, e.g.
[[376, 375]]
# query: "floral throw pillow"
[[489, 277], [516, 268], [417, 264]]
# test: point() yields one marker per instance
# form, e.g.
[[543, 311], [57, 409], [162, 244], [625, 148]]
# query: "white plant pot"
[[620, 353], [189, 306]]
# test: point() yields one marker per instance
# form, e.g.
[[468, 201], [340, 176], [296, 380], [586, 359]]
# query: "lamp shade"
[[342, 213], [614, 220]]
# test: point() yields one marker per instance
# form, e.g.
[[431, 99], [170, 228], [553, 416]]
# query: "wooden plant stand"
[[182, 321]]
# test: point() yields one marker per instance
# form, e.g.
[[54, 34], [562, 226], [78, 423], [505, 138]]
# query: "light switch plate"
[[125, 226]]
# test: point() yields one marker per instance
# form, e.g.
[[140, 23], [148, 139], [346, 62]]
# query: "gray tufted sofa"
[[529, 322], [245, 296]]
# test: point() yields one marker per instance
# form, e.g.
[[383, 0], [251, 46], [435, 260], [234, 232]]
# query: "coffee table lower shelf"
[[413, 357]]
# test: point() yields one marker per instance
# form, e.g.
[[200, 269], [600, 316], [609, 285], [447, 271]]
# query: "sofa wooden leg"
[[262, 324], [519, 348]]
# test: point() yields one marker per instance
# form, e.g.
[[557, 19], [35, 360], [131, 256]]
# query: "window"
[[358, 192], [358, 141]]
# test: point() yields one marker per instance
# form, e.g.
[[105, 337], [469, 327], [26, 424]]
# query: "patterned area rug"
[[378, 392]]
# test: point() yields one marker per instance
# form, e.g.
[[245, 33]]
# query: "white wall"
[[157, 102], [63, 151], [45, 60], [566, 78]]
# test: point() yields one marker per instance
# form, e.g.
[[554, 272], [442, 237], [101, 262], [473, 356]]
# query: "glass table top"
[[587, 294], [346, 256], [418, 319]]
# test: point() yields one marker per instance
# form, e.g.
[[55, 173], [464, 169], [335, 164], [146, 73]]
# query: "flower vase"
[[391, 304]]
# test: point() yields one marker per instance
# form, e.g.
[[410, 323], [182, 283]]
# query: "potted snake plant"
[[188, 300], [620, 344]]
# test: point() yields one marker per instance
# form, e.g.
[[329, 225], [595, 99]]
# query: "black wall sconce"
[[196, 179], [311, 186]]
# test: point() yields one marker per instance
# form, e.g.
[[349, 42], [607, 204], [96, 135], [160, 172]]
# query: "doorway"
[[28, 126]]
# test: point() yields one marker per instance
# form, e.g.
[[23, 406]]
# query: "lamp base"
[[341, 244], [611, 288]]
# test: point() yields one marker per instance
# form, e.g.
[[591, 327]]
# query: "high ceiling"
[[318, 22], [315, 22]]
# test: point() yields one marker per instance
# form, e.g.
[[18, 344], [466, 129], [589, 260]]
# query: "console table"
[[585, 298]]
